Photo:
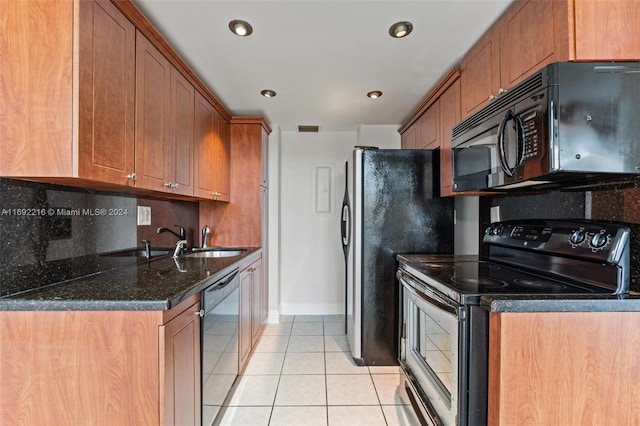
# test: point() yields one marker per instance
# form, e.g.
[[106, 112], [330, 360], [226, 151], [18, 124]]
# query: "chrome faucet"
[[147, 248], [206, 232], [182, 239], [179, 246], [181, 236]]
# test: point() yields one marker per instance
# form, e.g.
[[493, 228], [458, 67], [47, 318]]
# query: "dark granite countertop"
[[561, 304], [157, 284]]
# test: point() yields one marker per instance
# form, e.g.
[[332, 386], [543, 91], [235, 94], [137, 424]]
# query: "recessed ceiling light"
[[374, 94], [268, 93], [400, 29], [240, 27]]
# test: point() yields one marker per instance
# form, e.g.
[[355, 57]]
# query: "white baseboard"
[[273, 317], [312, 308]]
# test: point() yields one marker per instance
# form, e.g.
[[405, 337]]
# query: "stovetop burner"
[[540, 284], [481, 282]]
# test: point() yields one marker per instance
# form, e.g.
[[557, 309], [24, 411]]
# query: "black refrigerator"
[[391, 206]]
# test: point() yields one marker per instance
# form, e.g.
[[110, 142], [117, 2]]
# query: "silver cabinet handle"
[[175, 186], [200, 313], [501, 91], [132, 176], [168, 185], [491, 97]]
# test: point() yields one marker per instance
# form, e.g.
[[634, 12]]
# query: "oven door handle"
[[425, 293]]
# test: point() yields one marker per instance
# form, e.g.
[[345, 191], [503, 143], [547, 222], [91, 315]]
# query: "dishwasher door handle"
[[222, 282]]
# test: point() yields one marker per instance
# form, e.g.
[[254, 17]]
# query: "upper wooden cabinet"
[[449, 117], [212, 160], [43, 137], [480, 67], [240, 222], [534, 33], [607, 30], [409, 137], [164, 123], [429, 127], [107, 93], [153, 100], [180, 161], [110, 108], [424, 133]]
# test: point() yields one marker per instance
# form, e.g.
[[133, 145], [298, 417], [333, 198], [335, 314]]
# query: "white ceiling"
[[322, 57]]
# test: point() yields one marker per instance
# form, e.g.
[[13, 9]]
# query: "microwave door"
[[475, 161]]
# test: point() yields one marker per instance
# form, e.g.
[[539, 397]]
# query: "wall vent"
[[308, 129]]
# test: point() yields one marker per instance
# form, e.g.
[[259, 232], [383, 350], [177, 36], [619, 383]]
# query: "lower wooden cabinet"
[[244, 330], [252, 294], [180, 375], [564, 368], [101, 367]]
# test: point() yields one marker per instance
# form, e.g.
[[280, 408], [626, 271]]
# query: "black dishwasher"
[[219, 342]]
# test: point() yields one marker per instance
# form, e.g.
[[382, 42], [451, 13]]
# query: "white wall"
[[274, 224], [311, 261], [467, 225]]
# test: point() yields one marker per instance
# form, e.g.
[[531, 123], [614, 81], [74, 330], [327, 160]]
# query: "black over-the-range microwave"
[[570, 124]]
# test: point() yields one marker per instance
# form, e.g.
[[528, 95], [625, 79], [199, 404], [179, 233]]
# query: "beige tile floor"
[[302, 373]]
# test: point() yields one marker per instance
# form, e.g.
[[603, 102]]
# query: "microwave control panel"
[[532, 123]]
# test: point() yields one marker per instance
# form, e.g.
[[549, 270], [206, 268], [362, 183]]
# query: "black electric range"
[[537, 257], [444, 341]]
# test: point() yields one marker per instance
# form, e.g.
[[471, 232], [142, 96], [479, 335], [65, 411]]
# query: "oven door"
[[429, 349]]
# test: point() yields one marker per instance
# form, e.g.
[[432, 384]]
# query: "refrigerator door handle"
[[346, 226]]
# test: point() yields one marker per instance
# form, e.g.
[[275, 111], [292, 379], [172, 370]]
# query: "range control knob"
[[578, 236], [494, 230], [599, 240]]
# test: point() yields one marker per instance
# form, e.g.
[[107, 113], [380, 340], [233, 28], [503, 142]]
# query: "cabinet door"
[[212, 152], [449, 117], [182, 371], [591, 356], [180, 159], [264, 164], [480, 67], [107, 93], [256, 303], [244, 330], [32, 143], [222, 159], [607, 30], [153, 92], [429, 124], [409, 139], [533, 33]]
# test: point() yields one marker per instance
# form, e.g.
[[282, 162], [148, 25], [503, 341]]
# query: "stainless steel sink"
[[216, 252], [138, 253]]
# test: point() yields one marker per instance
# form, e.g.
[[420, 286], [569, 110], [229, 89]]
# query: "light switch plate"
[[144, 215]]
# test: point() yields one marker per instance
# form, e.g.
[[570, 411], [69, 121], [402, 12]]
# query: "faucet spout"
[[147, 248], [206, 232], [181, 236], [180, 245]]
